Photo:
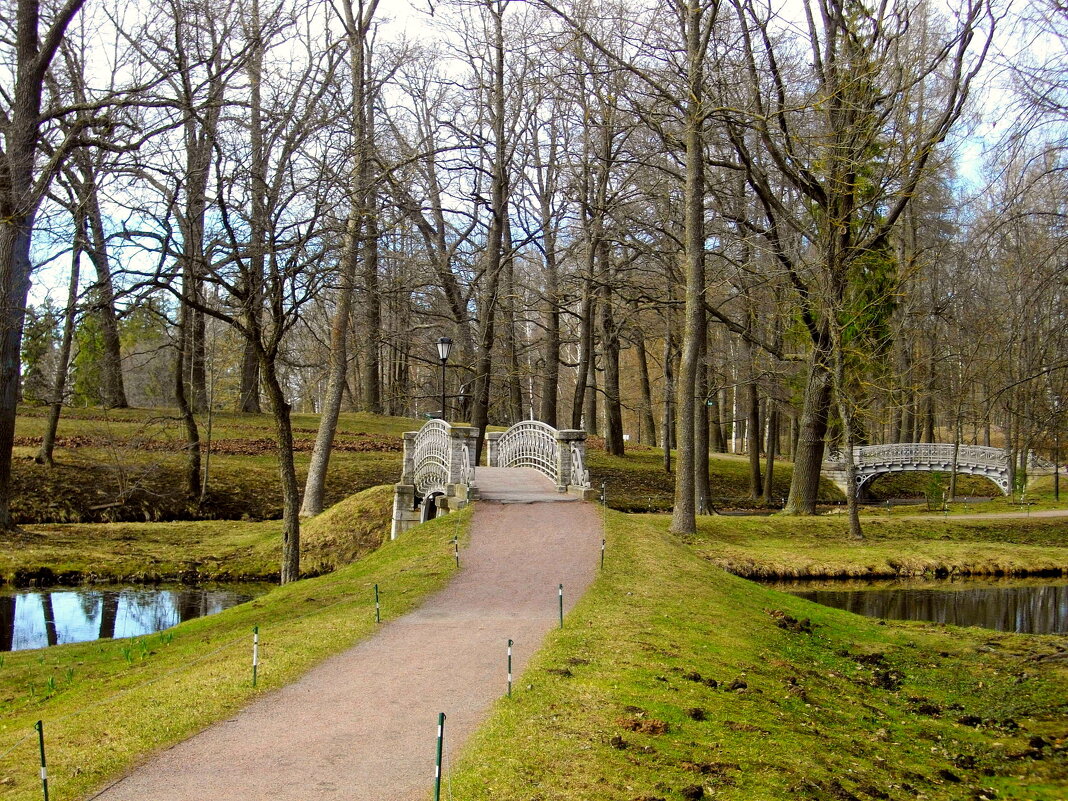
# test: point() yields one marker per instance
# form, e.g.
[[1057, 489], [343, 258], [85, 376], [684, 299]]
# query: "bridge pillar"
[[405, 512], [408, 470], [461, 483], [571, 464], [493, 442]]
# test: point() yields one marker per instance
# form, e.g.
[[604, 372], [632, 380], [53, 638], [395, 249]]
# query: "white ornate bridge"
[[561, 455], [875, 460], [439, 475]]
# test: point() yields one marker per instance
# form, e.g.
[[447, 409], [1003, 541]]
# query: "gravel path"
[[362, 725]]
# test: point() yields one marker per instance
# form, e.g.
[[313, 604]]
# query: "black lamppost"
[[444, 347]]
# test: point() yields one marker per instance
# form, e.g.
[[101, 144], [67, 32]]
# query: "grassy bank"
[[106, 704], [673, 679], [192, 551], [789, 547]]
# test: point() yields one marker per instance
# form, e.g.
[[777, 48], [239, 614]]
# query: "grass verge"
[[790, 547], [674, 679], [107, 704]]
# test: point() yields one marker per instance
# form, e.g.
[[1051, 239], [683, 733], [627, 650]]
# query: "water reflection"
[[1036, 606], [39, 618]]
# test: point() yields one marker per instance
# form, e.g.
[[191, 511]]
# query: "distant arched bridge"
[[875, 460]]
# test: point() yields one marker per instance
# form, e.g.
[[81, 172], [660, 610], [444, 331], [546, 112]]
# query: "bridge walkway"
[[362, 725]]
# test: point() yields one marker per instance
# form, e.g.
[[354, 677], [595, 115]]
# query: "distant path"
[[362, 725], [981, 516]]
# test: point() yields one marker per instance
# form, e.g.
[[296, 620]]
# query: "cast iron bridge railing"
[[438, 473], [875, 460], [561, 455]]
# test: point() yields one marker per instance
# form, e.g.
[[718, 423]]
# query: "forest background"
[[705, 226]]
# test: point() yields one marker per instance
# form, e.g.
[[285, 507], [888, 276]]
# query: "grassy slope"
[[213, 550], [618, 706], [105, 704]]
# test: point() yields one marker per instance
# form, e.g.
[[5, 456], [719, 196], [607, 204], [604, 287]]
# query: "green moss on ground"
[[673, 679], [346, 531], [107, 704]]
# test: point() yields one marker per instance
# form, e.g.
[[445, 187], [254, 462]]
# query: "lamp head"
[[444, 348]]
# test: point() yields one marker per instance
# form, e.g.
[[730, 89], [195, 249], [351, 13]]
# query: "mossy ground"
[[673, 679], [787, 547]]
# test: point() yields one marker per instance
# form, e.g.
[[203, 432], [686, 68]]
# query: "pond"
[[39, 618], [1029, 606]]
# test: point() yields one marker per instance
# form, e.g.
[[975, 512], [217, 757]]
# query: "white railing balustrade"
[[874, 460], [561, 455], [431, 456]]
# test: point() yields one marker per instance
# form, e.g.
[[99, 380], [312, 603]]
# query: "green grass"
[[193, 551], [789, 547], [619, 705], [106, 704]]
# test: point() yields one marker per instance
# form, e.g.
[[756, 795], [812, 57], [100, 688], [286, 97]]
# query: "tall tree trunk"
[[648, 422], [585, 361], [495, 237], [812, 431], [287, 470], [667, 434], [514, 380], [184, 337], [248, 399], [59, 385], [589, 411], [613, 409], [717, 441], [112, 388], [752, 427], [772, 448], [360, 238], [702, 480], [683, 518], [550, 384]]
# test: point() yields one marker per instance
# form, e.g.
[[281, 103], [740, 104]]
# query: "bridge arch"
[[871, 461]]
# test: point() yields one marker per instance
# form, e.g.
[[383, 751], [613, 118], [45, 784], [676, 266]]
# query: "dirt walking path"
[[362, 725]]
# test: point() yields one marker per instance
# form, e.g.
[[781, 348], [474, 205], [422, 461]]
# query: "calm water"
[[1035, 606], [38, 618]]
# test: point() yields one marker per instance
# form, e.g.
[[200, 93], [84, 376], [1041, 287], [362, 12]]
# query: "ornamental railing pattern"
[[438, 457], [530, 444], [431, 457], [561, 455], [873, 460]]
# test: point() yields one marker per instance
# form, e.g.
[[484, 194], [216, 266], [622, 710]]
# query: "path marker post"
[[456, 549], [561, 606], [44, 769], [437, 763], [509, 668], [255, 653], [602, 552], [378, 607]]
